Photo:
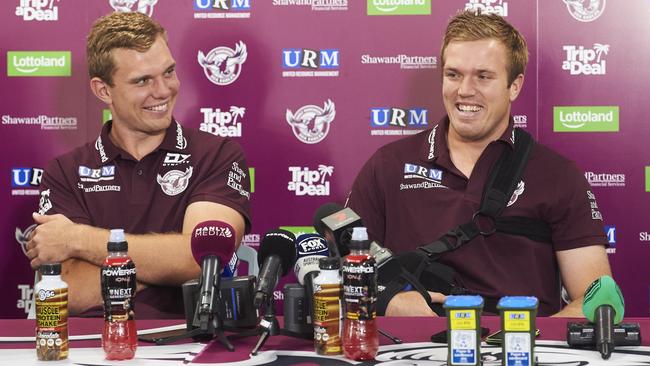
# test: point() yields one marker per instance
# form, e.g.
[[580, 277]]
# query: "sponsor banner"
[[610, 232], [521, 120], [224, 123], [605, 179], [581, 60], [251, 174], [46, 122], [315, 5], [223, 65], [251, 240], [498, 7], [644, 236], [310, 182], [298, 62], [405, 62], [37, 10], [222, 9], [399, 7], [647, 179], [299, 230], [585, 119], [39, 63], [25, 181], [311, 124], [386, 121]]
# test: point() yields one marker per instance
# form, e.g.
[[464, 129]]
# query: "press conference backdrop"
[[362, 72]]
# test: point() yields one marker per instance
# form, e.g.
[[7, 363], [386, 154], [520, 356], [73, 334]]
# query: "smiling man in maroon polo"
[[416, 189], [145, 173]]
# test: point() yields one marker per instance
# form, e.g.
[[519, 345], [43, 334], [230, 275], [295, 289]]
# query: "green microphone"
[[603, 305]]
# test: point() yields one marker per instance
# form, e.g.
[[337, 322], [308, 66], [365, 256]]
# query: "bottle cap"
[[359, 239], [329, 263], [50, 269], [117, 241]]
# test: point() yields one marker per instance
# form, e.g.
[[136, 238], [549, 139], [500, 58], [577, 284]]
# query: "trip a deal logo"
[[38, 10], [220, 9], [585, 119], [39, 63], [498, 7], [399, 7]]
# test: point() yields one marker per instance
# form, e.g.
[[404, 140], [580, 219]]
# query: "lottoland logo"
[[585, 119], [39, 63], [399, 7], [647, 179]]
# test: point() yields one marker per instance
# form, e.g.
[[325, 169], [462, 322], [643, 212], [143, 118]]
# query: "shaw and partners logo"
[[38, 10], [585, 10], [25, 181], [585, 119], [310, 123], [298, 62], [125, 6], [224, 123], [585, 61], [218, 9], [305, 181], [316, 5], [498, 7], [223, 65], [46, 122], [399, 7], [39, 63], [605, 179], [397, 121], [404, 61]]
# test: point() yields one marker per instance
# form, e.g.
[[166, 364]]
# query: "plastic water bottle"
[[51, 314], [360, 336], [119, 337]]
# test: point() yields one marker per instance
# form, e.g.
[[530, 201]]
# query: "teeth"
[[469, 108], [158, 108]]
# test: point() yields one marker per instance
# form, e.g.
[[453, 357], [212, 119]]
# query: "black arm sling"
[[420, 268]]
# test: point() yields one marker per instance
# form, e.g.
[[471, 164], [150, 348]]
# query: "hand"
[[411, 303], [52, 240]]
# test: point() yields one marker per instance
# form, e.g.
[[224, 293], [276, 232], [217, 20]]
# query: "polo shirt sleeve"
[[226, 180], [58, 193], [367, 198], [576, 220]]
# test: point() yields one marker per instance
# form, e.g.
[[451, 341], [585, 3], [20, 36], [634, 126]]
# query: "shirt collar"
[[435, 146], [174, 140]]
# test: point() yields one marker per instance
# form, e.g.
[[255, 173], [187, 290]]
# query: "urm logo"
[[397, 117], [610, 231], [26, 177], [206, 5], [310, 59]]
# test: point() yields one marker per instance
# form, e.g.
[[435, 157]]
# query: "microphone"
[[213, 244], [333, 221], [277, 253], [604, 306], [310, 248]]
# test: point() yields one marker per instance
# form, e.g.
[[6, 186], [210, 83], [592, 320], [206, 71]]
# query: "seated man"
[[145, 173], [414, 190]]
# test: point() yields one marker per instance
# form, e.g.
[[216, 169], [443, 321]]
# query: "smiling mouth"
[[469, 108], [158, 108]]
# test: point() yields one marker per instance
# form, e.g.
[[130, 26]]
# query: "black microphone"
[[276, 255], [335, 223], [213, 243]]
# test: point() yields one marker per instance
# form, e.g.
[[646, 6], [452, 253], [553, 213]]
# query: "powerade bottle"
[[51, 314], [360, 337], [119, 337]]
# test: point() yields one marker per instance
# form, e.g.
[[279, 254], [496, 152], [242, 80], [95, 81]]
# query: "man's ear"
[[101, 90], [515, 87]]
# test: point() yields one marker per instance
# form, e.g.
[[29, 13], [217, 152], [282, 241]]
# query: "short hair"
[[473, 26], [132, 30]]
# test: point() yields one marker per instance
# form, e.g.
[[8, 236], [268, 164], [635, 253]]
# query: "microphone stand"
[[268, 325]]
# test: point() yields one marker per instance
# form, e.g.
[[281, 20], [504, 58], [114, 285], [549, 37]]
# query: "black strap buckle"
[[479, 219]]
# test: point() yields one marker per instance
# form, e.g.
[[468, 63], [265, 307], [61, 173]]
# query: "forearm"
[[571, 310], [161, 259]]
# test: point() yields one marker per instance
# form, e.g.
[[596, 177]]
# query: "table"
[[414, 331]]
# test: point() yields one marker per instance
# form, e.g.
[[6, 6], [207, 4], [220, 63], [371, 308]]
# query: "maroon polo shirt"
[[101, 185], [410, 193]]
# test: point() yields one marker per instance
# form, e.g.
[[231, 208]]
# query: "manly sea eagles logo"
[[585, 10], [223, 65], [174, 181], [310, 124], [125, 6]]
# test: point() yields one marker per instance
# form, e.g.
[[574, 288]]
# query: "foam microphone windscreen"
[[322, 212], [603, 291], [213, 238], [309, 249], [281, 243]]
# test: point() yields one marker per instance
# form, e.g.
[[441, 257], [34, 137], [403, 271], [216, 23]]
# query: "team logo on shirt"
[[427, 177], [173, 159], [595, 213], [175, 181], [222, 65], [44, 204], [87, 174], [518, 191]]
